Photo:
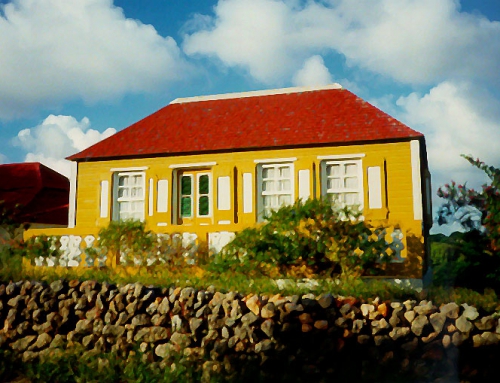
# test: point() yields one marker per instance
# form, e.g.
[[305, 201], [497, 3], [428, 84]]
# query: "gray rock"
[[267, 327], [264, 345], [57, 286], [463, 325], [268, 310], [487, 338], [113, 330], [458, 338], [409, 316], [418, 324], [194, 324], [141, 320], [164, 350], [424, 308], [366, 309], [249, 318], [83, 326], [485, 323], [437, 321], [470, 312], [58, 341], [399, 332], [182, 340], [325, 300], [176, 323], [451, 310]]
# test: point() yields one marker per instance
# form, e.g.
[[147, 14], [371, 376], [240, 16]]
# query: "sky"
[[75, 72]]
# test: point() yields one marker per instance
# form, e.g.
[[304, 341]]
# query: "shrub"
[[309, 233]]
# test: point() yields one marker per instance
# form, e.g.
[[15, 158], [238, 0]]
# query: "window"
[[194, 195], [342, 182], [129, 192], [275, 187]]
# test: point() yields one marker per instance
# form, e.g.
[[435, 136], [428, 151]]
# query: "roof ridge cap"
[[256, 93]]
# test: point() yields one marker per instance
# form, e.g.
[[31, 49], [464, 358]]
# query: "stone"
[[382, 309], [437, 321], [429, 338], [122, 318], [158, 320], [57, 286], [487, 338], [23, 343], [409, 304], [485, 323], [463, 325], [131, 307], [225, 332], [409, 316], [470, 312], [194, 324], [141, 320], [87, 340], [357, 325], [399, 332], [446, 341], [305, 318], [451, 310], [364, 339], [83, 326], [418, 324], [249, 318], [325, 300], [58, 341], [306, 327], [267, 327], [268, 310], [379, 325], [424, 308], [458, 338], [366, 309], [264, 345], [28, 356], [176, 323], [290, 307], [138, 290], [164, 350], [182, 340], [253, 304], [113, 330], [321, 324], [176, 309], [345, 308]]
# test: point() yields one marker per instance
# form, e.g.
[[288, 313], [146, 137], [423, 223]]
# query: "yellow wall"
[[394, 158]]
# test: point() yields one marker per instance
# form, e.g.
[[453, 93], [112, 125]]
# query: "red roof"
[[252, 121], [41, 193]]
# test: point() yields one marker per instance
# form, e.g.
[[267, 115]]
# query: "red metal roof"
[[252, 122], [41, 193]]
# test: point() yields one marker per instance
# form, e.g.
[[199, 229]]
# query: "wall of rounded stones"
[[322, 334]]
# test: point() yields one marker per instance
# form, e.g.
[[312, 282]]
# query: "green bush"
[[312, 234]]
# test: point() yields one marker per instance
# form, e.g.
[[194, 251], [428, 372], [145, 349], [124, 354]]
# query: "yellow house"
[[210, 166]]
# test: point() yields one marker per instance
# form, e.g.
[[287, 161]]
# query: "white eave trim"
[[341, 156], [257, 93], [131, 169], [275, 160], [193, 165]]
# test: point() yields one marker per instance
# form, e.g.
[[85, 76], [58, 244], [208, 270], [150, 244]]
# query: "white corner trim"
[[256, 93], [104, 199], [72, 195], [341, 156], [374, 187], [247, 192], [304, 184], [131, 169], [416, 180], [193, 165], [274, 160]]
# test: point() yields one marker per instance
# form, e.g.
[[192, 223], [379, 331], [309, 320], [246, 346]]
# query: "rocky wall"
[[307, 334]]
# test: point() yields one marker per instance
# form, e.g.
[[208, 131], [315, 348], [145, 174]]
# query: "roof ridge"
[[256, 93]]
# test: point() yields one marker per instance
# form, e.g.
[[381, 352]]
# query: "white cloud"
[[3, 159], [58, 137], [456, 118], [415, 42], [57, 50], [314, 72]]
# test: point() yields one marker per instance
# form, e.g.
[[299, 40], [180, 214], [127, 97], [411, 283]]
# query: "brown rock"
[[446, 341], [264, 345], [485, 323], [325, 300], [430, 337], [194, 324], [267, 327], [321, 324], [268, 310], [253, 304], [382, 309], [458, 338], [487, 338], [306, 327], [23, 343], [305, 318], [399, 332]]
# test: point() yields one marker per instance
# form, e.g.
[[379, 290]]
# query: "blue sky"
[[74, 72]]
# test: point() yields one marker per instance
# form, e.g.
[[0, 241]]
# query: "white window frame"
[[325, 191], [195, 195], [117, 213], [273, 193]]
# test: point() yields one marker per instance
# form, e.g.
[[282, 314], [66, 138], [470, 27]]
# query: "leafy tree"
[[470, 259]]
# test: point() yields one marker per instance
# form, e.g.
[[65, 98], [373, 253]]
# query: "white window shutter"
[[104, 204], [304, 184], [223, 193], [162, 196], [374, 187]]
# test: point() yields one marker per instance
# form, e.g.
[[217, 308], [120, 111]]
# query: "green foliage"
[[309, 233]]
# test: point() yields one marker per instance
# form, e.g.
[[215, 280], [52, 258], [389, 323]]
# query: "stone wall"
[[306, 334]]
